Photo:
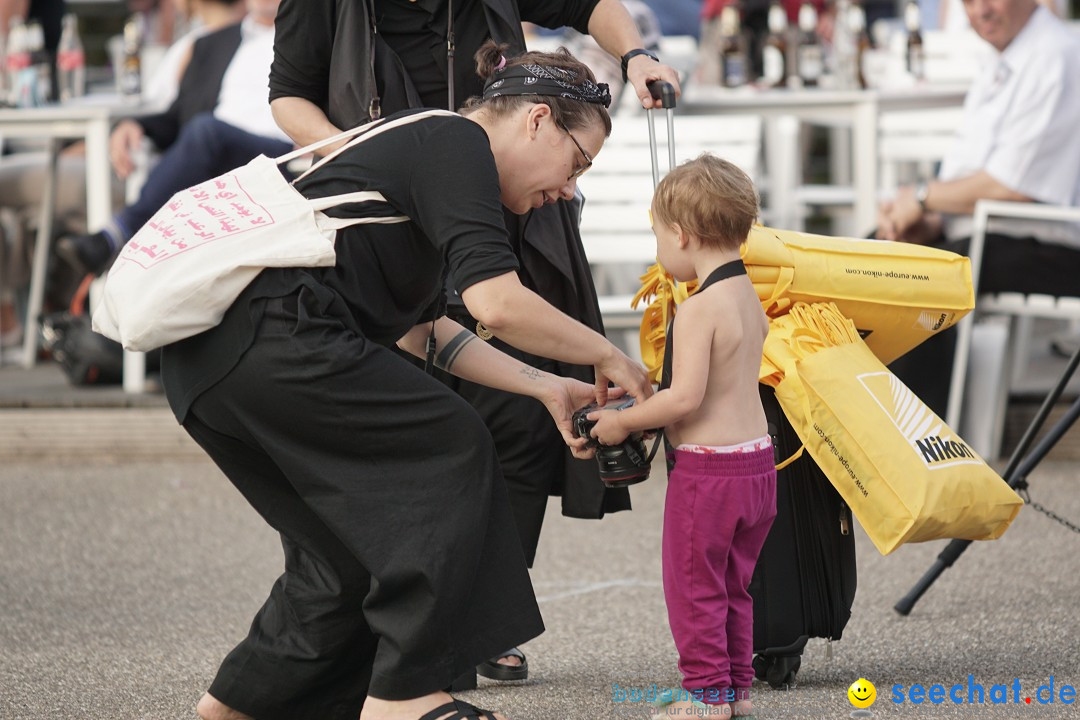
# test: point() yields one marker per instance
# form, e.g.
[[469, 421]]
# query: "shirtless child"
[[721, 497]]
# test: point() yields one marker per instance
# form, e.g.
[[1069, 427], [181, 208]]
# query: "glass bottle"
[[916, 54], [131, 71], [35, 74], [774, 53], [843, 47], [734, 65], [857, 22], [70, 61], [16, 59], [810, 56]]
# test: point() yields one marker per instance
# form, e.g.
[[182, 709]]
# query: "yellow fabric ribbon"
[[663, 293]]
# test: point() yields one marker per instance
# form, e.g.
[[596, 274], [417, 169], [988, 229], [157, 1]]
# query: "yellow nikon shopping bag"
[[897, 294], [905, 474]]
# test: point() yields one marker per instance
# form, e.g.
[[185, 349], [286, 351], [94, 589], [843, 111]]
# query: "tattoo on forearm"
[[449, 354], [531, 373]]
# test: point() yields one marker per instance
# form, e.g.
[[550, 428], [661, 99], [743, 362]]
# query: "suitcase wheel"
[[778, 671]]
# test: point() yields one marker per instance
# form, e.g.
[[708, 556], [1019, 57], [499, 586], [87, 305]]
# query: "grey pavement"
[[123, 584]]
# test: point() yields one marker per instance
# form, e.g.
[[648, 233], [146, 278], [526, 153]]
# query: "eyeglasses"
[[588, 160]]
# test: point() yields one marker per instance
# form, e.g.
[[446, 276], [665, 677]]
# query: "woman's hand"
[[563, 397], [625, 373]]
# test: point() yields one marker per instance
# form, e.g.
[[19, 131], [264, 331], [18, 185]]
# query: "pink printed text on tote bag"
[[201, 214]]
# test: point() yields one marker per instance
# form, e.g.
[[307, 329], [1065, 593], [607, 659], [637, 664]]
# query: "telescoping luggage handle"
[[664, 91]]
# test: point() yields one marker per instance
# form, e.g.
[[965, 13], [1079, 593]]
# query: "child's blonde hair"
[[710, 198]]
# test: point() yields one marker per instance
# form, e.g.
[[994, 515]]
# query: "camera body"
[[620, 465]]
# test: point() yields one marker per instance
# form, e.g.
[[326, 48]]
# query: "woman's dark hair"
[[573, 114]]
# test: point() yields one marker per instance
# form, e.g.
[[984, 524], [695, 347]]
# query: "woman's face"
[[547, 160]]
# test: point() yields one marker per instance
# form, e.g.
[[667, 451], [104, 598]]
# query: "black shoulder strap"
[[725, 271]]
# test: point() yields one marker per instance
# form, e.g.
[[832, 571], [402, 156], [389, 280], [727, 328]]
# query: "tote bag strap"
[[364, 132], [300, 152]]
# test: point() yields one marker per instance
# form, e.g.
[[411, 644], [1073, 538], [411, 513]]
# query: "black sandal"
[[495, 670], [462, 711]]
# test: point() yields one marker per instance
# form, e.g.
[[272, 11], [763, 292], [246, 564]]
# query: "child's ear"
[[682, 237]]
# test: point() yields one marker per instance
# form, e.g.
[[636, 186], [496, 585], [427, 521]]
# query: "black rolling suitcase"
[[804, 581]]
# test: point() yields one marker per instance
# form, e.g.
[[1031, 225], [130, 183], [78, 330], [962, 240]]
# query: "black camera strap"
[[655, 446]]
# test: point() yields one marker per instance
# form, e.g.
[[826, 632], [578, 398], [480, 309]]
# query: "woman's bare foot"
[[376, 709], [741, 708], [210, 708]]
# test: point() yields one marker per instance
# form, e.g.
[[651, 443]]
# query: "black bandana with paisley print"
[[532, 79]]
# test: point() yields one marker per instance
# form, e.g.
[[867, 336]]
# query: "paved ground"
[[123, 584]]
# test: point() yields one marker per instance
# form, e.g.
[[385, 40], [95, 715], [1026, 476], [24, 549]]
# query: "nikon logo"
[[933, 321], [924, 431], [936, 449]]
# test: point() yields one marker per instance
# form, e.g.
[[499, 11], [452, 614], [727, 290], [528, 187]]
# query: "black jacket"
[[553, 261], [199, 86]]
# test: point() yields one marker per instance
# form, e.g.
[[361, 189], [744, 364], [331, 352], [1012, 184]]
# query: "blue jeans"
[[205, 148]]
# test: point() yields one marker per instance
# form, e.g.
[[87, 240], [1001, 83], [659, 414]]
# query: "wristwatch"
[[921, 192], [632, 54]]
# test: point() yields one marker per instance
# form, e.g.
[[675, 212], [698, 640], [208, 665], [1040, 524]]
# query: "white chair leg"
[[1001, 395], [989, 339], [1020, 341], [40, 262], [959, 371]]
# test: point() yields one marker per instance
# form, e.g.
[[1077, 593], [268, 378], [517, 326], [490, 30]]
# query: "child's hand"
[[608, 429]]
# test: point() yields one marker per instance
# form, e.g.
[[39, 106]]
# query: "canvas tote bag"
[[904, 473], [182, 270]]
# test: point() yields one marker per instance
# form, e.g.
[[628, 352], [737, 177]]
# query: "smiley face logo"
[[862, 693]]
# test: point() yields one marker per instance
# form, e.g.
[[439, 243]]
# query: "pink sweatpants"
[[719, 509]]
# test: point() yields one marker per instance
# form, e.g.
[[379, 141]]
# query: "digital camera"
[[620, 465]]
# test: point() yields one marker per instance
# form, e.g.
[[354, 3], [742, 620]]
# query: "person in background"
[[338, 63], [952, 16], [721, 496], [678, 17], [204, 17], [603, 64], [1018, 142], [219, 120]]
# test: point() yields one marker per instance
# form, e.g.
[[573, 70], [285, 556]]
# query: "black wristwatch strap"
[[632, 54]]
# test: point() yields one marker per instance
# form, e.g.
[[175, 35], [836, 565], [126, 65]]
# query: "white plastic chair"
[[1015, 306]]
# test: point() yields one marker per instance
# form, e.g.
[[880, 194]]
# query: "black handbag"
[[86, 357]]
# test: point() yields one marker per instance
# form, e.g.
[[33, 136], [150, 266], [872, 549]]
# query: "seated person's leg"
[[1010, 264], [205, 149]]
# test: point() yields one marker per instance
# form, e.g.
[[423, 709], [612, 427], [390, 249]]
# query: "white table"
[[89, 119], [859, 108]]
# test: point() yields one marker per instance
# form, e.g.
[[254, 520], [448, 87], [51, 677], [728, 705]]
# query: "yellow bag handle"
[[798, 454]]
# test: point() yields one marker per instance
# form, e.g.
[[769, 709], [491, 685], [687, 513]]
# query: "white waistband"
[[762, 443]]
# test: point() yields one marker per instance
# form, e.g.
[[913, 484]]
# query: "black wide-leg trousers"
[[403, 568]]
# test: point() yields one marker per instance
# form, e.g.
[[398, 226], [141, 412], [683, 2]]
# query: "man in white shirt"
[[219, 120], [1019, 142]]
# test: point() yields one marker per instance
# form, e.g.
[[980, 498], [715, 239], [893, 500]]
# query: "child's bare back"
[[728, 317]]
